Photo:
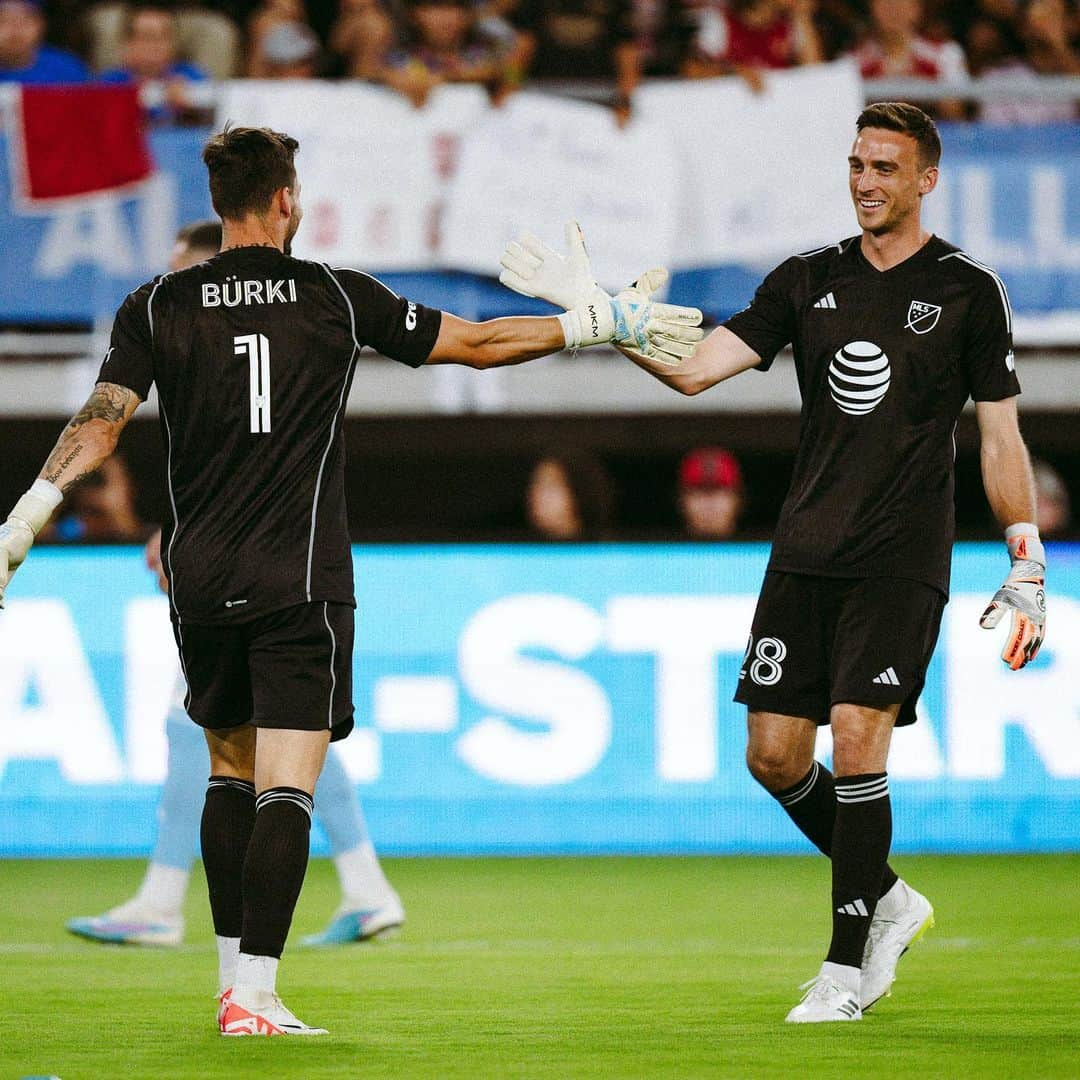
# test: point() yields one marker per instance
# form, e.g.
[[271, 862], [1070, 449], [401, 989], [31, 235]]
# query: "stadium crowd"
[[414, 45]]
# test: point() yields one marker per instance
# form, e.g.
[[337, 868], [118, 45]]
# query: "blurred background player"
[[710, 493], [154, 915], [569, 497]]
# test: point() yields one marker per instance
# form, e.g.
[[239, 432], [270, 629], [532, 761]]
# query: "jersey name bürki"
[[253, 354]]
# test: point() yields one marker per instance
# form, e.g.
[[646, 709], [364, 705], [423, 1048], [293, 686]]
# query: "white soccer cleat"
[[825, 1001], [259, 1013], [130, 923], [901, 918]]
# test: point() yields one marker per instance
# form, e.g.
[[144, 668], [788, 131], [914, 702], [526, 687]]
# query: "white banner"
[[765, 174], [372, 168], [706, 173], [539, 161]]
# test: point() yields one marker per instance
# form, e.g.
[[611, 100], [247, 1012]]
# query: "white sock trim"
[[228, 954], [255, 974]]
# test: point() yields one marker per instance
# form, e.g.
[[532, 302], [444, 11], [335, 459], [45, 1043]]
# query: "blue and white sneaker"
[[354, 922], [130, 923]]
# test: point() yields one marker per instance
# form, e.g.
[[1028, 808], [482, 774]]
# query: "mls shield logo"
[[923, 317]]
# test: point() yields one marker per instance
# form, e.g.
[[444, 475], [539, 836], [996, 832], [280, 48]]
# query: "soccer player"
[[154, 915], [253, 353], [892, 330]]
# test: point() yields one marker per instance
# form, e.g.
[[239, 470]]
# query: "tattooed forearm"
[[108, 402], [54, 472], [91, 434]]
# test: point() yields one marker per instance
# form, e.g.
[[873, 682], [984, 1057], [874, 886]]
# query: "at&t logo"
[[859, 377]]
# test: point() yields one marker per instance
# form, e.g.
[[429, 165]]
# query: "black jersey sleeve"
[[130, 359], [396, 327], [988, 349], [769, 322]]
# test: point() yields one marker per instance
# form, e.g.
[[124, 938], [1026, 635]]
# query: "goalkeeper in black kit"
[[253, 354], [892, 329]]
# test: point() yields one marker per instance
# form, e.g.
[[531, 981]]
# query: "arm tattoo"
[[107, 410]]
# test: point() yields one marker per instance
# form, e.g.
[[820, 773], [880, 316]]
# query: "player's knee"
[[771, 765]]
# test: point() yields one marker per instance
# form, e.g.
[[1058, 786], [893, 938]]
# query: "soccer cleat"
[[223, 1003], [131, 923], [260, 1014], [898, 923], [825, 1001], [360, 923]]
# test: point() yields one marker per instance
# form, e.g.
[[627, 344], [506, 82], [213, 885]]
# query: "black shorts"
[[288, 669], [818, 642]]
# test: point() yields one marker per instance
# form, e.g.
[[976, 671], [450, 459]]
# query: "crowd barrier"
[[536, 699], [427, 198]]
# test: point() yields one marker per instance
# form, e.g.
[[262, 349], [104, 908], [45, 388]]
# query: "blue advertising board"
[[535, 699], [1009, 196]]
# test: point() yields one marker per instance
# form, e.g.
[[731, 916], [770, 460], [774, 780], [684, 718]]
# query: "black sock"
[[811, 804], [861, 840], [227, 820], [274, 869]]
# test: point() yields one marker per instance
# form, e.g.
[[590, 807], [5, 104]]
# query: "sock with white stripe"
[[811, 804], [274, 869], [860, 848], [227, 820]]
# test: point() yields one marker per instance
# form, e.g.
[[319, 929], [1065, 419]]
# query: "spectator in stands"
[[442, 48], [1041, 34], [291, 51], [150, 60], [266, 18], [1052, 508], [663, 31], [100, 509], [710, 493], [24, 57], [362, 37], [894, 48], [749, 37], [570, 497], [581, 40]]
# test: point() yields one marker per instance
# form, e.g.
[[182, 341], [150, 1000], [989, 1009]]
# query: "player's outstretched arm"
[[497, 342], [89, 438], [1010, 490]]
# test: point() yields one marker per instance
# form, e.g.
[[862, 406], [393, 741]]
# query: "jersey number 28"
[[258, 352]]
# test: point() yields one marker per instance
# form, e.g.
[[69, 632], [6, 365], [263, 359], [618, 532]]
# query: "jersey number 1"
[[258, 352]]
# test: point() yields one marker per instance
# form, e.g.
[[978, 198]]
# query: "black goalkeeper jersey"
[[253, 354], [885, 361]]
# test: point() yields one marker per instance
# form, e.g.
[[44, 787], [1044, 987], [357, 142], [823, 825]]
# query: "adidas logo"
[[827, 301], [887, 678], [855, 908]]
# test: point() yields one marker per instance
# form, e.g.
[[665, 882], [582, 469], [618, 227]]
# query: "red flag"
[[74, 141]]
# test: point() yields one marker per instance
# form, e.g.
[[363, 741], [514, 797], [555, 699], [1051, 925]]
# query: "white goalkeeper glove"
[[664, 332], [1024, 593], [26, 520]]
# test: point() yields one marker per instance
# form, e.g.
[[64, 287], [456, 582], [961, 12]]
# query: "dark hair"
[[907, 119], [591, 486], [201, 236], [247, 166]]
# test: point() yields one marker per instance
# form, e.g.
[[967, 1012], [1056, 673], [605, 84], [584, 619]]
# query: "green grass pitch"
[[560, 968]]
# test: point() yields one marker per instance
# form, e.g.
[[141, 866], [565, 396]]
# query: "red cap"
[[712, 468]]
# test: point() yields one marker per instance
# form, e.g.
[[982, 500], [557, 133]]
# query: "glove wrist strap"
[[1024, 543], [36, 506], [571, 328]]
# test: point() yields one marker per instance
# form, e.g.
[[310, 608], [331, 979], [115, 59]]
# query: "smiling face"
[[887, 179]]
